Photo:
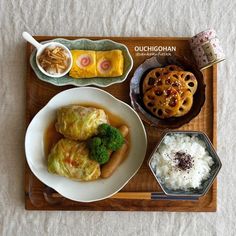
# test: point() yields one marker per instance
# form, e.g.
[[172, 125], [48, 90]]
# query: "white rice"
[[166, 167]]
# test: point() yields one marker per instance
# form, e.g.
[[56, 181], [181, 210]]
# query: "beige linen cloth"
[[110, 18]]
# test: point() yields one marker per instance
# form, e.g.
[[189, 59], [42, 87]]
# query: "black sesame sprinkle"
[[184, 161]]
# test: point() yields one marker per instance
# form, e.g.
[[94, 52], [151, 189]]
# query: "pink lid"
[[202, 37]]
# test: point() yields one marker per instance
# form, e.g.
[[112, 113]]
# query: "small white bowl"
[[41, 47], [53, 45]]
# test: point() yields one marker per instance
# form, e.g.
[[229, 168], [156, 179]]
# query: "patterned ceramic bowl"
[[86, 44], [206, 184], [136, 94]]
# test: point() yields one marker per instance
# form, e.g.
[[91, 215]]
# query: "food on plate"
[[78, 122], [185, 103], [115, 160], [116, 157], [124, 130], [182, 162], [98, 150], [174, 80], [54, 60], [89, 64], [109, 63], [83, 141], [111, 137], [84, 64], [155, 75], [162, 101], [190, 81], [107, 140], [168, 92], [70, 159]]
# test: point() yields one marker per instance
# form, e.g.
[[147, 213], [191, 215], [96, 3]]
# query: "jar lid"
[[202, 37]]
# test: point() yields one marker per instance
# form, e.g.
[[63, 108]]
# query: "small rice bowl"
[[182, 162]]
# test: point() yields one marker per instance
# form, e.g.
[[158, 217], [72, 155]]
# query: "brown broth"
[[51, 136]]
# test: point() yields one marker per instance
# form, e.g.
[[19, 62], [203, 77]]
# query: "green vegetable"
[[108, 139], [111, 137], [98, 151]]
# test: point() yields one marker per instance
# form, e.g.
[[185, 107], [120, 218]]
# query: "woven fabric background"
[[110, 18]]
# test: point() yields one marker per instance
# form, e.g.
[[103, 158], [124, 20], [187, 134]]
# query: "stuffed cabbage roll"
[[79, 123], [71, 159]]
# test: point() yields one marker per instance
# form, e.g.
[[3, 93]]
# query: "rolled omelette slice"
[[84, 64], [109, 63], [70, 159]]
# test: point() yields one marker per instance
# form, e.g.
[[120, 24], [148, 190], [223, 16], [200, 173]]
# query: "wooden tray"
[[40, 197]]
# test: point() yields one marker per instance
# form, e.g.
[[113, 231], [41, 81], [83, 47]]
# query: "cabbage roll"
[[71, 159], [79, 123]]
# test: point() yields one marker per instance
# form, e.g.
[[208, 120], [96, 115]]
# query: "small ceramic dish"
[[86, 44], [205, 184], [136, 91], [54, 45], [40, 49]]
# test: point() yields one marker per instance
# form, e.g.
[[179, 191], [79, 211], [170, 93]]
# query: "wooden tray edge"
[[211, 208]]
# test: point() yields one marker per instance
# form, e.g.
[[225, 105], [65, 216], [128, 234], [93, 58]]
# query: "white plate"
[[94, 190]]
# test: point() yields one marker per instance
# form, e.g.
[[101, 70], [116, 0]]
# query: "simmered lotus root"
[[190, 80], [151, 78], [168, 92], [186, 103], [170, 68], [174, 80], [157, 73], [162, 101]]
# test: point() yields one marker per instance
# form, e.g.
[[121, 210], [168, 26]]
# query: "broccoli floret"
[[98, 151], [108, 139], [111, 137]]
